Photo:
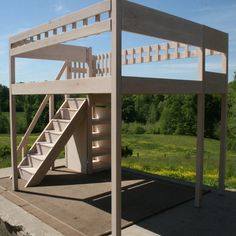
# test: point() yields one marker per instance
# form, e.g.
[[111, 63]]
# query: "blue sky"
[[19, 15]]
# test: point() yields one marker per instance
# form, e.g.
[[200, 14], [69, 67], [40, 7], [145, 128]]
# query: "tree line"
[[163, 114]]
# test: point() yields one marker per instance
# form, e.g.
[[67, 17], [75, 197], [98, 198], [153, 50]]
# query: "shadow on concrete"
[[216, 217], [142, 196]]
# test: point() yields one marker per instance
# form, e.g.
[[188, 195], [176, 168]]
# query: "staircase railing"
[[22, 147]]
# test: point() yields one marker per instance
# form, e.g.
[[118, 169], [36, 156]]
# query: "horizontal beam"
[[130, 85], [215, 83], [139, 85], [74, 17], [78, 86], [215, 39], [94, 29], [58, 52], [151, 22]]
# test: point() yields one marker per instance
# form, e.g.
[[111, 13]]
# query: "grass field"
[[5, 141], [175, 156], [166, 155]]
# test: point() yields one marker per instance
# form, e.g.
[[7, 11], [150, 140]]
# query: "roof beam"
[[59, 52]]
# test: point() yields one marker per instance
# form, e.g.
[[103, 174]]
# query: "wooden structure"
[[90, 127]]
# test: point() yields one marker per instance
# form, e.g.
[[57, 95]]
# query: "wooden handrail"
[[34, 121]]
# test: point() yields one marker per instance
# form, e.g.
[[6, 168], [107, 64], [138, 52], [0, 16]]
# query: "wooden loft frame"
[[143, 20], [64, 29], [46, 41]]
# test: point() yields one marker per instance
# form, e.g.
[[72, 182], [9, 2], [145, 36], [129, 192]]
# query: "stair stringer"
[[59, 145]]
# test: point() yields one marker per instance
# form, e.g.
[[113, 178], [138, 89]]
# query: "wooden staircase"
[[52, 140]]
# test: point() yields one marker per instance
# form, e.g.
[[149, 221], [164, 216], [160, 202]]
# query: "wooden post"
[[13, 127], [68, 77], [91, 72], [68, 74], [223, 130], [200, 131], [51, 114], [116, 118], [223, 136]]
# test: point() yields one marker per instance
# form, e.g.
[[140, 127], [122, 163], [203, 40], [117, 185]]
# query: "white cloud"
[[60, 8]]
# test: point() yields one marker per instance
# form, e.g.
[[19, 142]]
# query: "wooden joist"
[[85, 13], [151, 22], [61, 38], [130, 85], [79, 86], [60, 52]]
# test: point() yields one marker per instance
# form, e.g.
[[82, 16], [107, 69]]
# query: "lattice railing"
[[79, 70], [92, 20], [153, 53], [160, 52], [103, 64]]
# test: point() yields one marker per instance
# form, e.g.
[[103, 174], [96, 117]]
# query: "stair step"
[[52, 135], [100, 151], [59, 124], [67, 113], [36, 159], [75, 102], [101, 163], [99, 136], [43, 147], [26, 172], [96, 120]]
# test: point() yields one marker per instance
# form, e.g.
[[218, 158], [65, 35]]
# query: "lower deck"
[[79, 204], [179, 220]]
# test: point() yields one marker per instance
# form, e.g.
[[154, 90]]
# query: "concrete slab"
[[5, 172], [216, 217], [15, 216]]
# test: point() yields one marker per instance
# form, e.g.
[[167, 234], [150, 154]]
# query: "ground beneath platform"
[[77, 204]]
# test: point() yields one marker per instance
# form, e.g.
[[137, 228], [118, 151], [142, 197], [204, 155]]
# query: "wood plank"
[[215, 82], [13, 126], [131, 85], [215, 39], [94, 29], [80, 86], [60, 52], [143, 20], [223, 130], [200, 127], [116, 96], [71, 18], [138, 85]]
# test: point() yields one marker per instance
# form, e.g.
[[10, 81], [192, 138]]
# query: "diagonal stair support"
[[52, 140]]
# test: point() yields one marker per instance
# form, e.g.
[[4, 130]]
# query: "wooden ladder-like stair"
[[52, 140]]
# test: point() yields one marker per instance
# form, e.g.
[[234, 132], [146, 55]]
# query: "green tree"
[[128, 109], [4, 101], [4, 124], [232, 116]]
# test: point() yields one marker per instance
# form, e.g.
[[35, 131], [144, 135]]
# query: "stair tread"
[[100, 136], [98, 120], [53, 131], [28, 169], [76, 99], [45, 144], [70, 109], [61, 120], [38, 156]]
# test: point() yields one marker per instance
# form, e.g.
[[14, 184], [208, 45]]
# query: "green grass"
[[5, 141], [175, 156], [167, 155]]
